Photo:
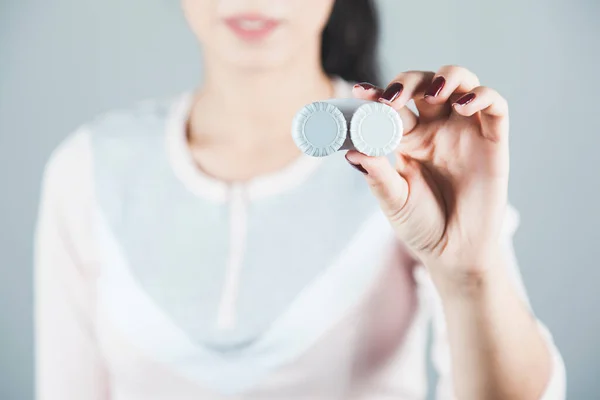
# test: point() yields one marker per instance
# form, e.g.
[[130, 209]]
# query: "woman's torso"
[[289, 286]]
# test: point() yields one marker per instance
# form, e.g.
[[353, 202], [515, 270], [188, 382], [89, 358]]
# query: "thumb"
[[411, 204], [388, 186]]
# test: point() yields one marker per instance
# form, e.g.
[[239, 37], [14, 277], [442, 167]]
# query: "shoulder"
[[115, 130], [142, 119], [68, 199], [69, 171], [64, 218], [68, 167]]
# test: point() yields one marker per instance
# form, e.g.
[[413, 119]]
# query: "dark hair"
[[349, 43]]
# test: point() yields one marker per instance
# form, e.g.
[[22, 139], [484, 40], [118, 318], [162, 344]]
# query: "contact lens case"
[[321, 128]]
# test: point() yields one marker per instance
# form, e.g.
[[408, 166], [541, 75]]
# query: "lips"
[[252, 27]]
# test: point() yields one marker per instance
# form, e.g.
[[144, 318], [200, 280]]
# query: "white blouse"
[[155, 281]]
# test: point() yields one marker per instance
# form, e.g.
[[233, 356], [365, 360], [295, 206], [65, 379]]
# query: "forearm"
[[496, 348]]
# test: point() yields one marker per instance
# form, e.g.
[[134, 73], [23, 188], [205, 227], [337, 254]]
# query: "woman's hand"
[[446, 199], [447, 194]]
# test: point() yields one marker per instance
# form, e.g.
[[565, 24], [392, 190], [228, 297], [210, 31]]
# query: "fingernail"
[[436, 87], [465, 99], [358, 167], [392, 92], [365, 86]]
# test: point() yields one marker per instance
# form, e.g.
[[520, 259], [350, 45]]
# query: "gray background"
[[63, 61]]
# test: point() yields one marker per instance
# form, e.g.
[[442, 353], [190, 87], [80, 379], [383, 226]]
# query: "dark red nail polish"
[[358, 167], [436, 87], [392, 92], [465, 99], [366, 86]]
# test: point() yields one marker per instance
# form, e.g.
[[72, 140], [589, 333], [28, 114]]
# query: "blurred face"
[[258, 34]]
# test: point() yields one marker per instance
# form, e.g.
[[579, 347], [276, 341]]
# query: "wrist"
[[470, 281], [464, 284]]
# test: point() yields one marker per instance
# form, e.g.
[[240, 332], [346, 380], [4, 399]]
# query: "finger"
[[483, 99], [406, 86], [390, 188], [447, 81], [493, 109], [367, 91]]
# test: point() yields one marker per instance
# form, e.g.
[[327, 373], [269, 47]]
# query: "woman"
[[186, 250]]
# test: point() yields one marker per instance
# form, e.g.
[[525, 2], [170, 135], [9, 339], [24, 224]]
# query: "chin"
[[256, 59]]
